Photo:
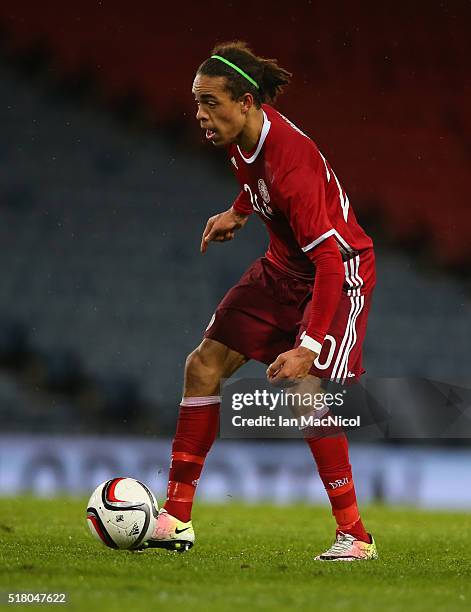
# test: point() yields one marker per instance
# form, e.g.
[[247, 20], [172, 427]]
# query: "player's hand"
[[222, 227], [292, 365]]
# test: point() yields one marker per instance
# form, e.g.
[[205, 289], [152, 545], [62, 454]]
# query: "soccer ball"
[[122, 513]]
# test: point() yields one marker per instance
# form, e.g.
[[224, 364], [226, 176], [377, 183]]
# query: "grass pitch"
[[246, 557]]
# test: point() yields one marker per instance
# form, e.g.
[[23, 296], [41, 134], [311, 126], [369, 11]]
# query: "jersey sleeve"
[[242, 204], [326, 292], [302, 200], [303, 203]]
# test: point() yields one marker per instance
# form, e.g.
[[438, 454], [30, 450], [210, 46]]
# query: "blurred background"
[[106, 185]]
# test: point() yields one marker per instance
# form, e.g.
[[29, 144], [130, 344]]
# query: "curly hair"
[[270, 77]]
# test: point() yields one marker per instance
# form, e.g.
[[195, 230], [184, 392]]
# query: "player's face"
[[218, 114]]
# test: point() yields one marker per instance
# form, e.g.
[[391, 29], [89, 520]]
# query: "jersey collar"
[[265, 129]]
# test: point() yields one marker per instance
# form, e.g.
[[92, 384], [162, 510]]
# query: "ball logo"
[[263, 191], [134, 529]]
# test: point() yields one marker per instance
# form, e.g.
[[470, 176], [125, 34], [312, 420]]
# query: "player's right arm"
[[222, 227]]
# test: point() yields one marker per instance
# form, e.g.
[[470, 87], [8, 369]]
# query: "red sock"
[[197, 427], [331, 455]]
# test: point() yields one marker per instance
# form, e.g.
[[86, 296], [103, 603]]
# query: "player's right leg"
[[197, 427], [256, 319]]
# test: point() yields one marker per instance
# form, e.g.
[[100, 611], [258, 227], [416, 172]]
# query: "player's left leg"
[[340, 359], [330, 451]]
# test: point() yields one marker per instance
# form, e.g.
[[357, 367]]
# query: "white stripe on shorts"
[[343, 369], [355, 282]]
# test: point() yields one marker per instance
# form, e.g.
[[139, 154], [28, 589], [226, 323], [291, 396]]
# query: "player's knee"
[[201, 368]]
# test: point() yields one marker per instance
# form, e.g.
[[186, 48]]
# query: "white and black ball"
[[122, 513]]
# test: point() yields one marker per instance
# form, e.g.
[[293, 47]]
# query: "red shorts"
[[266, 313]]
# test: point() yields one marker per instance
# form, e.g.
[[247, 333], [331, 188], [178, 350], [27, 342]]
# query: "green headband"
[[239, 70]]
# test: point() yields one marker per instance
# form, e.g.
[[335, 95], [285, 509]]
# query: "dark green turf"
[[246, 558]]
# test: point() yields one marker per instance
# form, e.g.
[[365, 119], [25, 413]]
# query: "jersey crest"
[[262, 187], [260, 207]]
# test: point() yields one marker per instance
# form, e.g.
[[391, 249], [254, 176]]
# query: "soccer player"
[[301, 309]]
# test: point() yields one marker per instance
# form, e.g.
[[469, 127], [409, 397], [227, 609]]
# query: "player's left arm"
[[304, 198]]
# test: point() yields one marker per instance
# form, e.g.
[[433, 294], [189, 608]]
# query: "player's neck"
[[250, 135]]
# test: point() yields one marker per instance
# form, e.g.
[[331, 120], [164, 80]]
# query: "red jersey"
[[293, 189]]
